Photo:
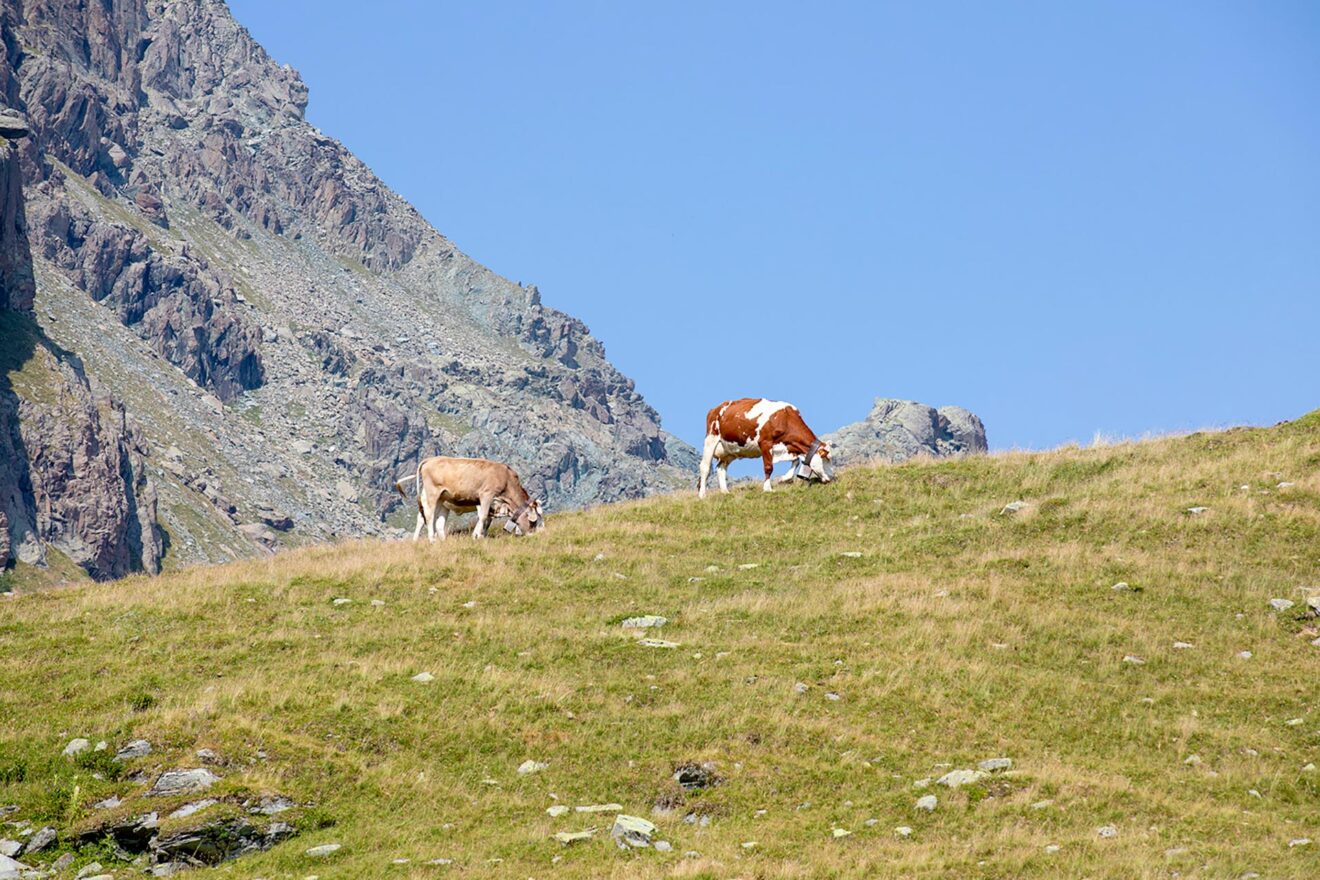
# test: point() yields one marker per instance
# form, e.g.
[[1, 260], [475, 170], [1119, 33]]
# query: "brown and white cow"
[[771, 429], [462, 485]]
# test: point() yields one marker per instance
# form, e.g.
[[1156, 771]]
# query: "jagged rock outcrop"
[[72, 475], [896, 430], [267, 310]]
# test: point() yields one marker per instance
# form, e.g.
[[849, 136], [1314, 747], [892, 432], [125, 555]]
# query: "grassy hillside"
[[958, 634]]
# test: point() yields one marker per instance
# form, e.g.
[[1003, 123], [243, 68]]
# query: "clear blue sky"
[[1069, 217]]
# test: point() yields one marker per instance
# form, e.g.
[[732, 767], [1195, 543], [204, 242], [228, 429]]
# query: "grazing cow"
[[462, 485], [769, 428]]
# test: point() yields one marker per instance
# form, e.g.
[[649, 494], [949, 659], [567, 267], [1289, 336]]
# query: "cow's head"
[[820, 466], [526, 519]]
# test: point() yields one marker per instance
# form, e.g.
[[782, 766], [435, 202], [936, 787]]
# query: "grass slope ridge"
[[959, 634]]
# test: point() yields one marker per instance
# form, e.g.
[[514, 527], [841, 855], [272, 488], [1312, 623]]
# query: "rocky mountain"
[[896, 430], [223, 333]]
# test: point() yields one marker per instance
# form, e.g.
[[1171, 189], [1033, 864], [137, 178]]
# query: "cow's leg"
[[441, 514], [421, 521], [707, 453], [483, 514], [722, 472], [429, 503], [768, 460], [792, 471]]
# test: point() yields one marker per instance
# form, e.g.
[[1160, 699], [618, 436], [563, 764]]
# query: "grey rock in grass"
[[598, 808], [801, 687], [556, 810], [644, 621], [40, 841], [1299, 841], [657, 643], [632, 831], [957, 778], [996, 765], [10, 847], [108, 804], [1106, 832], [324, 850], [88, 871], [423, 677], [138, 748], [1013, 507], [693, 776], [11, 868], [76, 746], [208, 756], [663, 846], [902, 830], [530, 766], [177, 782], [927, 803], [1281, 604], [270, 805], [193, 808], [571, 837]]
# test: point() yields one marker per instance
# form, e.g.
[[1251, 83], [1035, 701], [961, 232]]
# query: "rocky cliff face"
[[896, 430], [72, 477], [286, 332]]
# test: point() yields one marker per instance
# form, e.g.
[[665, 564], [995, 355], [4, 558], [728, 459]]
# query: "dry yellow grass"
[[959, 634]]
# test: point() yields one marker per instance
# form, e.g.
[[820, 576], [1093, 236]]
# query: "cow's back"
[[463, 480]]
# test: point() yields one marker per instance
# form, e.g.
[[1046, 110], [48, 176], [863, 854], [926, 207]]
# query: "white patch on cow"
[[761, 412], [780, 454]]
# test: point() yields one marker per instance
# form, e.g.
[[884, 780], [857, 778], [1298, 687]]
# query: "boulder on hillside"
[[896, 430]]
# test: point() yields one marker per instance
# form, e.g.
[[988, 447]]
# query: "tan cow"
[[462, 485], [772, 429]]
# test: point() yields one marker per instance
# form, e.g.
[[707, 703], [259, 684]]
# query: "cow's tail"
[[415, 479]]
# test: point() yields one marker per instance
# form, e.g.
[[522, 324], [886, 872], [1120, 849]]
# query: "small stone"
[[377, 603], [440, 862], [656, 643], [852, 554], [748, 844], [1309, 768], [1245, 655], [176, 782], [922, 783], [1042, 805], [645, 621], [1106, 831], [956, 778], [88, 871], [1121, 586], [1134, 660], [323, 850], [1285, 485], [1051, 849], [711, 569], [833, 697], [901, 830], [207, 756], [1013, 507], [270, 805], [423, 677], [1293, 722], [530, 766], [748, 566], [342, 600], [108, 804], [138, 748], [632, 831], [1254, 793], [556, 811], [663, 846], [10, 847], [801, 687], [569, 837], [1299, 841], [1281, 604], [927, 803], [1192, 760], [1182, 646], [194, 807], [1196, 511], [996, 765], [75, 746], [39, 841], [840, 832], [598, 808]]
